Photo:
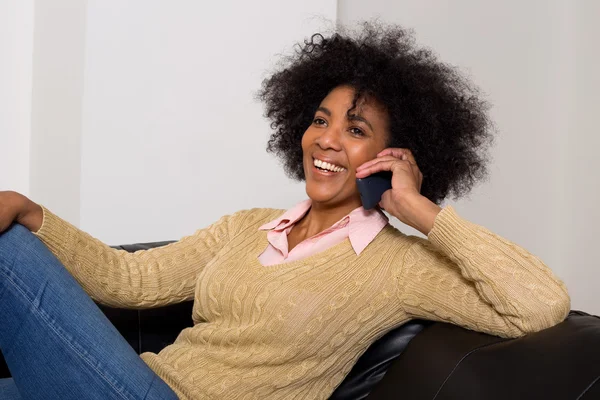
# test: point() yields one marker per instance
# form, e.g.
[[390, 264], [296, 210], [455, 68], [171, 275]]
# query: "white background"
[[136, 121], [16, 48]]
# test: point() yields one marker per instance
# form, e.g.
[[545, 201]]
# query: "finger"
[[370, 163], [414, 168], [392, 151], [386, 199], [402, 154], [374, 161], [383, 165], [410, 157]]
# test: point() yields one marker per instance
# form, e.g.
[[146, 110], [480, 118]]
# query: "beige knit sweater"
[[294, 330]]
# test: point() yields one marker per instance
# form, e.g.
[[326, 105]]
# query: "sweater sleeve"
[[144, 279], [466, 275]]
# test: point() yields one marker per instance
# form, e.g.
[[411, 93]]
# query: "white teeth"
[[327, 166]]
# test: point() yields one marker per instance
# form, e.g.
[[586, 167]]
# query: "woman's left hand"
[[404, 201]]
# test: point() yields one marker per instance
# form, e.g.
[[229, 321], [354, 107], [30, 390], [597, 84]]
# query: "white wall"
[[59, 39], [526, 57], [582, 168], [172, 138], [16, 49]]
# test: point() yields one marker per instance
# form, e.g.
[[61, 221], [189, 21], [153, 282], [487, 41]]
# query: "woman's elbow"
[[548, 315]]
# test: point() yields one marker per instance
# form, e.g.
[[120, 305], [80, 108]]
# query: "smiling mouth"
[[327, 167]]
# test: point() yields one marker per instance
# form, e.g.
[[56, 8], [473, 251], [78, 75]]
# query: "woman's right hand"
[[14, 207]]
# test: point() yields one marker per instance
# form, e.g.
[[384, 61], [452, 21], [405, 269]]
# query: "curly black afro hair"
[[434, 111]]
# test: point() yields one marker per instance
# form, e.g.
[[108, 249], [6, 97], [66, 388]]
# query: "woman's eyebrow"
[[351, 117], [359, 118], [325, 110]]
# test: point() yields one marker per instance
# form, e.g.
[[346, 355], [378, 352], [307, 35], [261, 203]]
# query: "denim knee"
[[12, 240], [15, 232]]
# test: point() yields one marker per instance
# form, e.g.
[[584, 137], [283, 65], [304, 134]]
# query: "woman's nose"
[[330, 138]]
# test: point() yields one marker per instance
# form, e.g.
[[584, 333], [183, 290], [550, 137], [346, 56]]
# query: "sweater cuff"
[[54, 231], [451, 232]]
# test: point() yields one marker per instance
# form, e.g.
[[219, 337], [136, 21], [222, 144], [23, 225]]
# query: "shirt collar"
[[289, 217], [363, 225]]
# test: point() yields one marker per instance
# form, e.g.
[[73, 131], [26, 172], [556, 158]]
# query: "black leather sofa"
[[429, 360]]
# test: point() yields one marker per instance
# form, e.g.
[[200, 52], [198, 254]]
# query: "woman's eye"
[[357, 131], [318, 121]]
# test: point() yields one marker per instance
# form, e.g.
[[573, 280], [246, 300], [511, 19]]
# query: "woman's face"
[[344, 143]]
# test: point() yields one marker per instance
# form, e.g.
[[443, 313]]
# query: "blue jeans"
[[56, 341]]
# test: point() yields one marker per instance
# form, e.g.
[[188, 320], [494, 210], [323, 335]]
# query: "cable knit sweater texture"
[[294, 330]]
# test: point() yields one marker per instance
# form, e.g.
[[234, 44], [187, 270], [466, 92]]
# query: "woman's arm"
[[144, 279], [466, 275]]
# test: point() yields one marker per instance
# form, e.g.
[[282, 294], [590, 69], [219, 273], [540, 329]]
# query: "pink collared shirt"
[[360, 226]]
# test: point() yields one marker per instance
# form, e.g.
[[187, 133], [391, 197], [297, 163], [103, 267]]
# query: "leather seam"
[[588, 388]]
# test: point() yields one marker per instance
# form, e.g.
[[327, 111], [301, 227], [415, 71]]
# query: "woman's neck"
[[320, 217]]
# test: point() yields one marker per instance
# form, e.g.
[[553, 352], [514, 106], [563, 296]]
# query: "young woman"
[[286, 301]]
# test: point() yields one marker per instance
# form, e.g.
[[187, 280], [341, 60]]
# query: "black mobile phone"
[[372, 188]]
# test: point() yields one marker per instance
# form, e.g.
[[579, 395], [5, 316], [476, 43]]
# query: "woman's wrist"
[[419, 212], [30, 215]]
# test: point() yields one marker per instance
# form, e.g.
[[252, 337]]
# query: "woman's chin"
[[321, 196], [322, 199], [329, 199], [330, 195]]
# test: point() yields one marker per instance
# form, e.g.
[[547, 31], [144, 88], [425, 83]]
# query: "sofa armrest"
[[448, 362]]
